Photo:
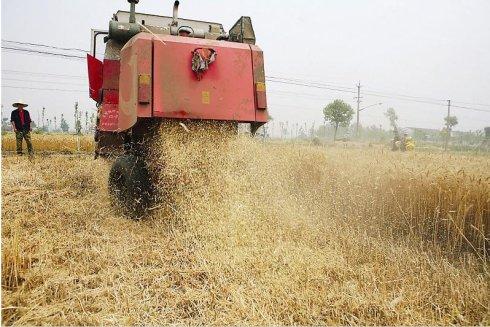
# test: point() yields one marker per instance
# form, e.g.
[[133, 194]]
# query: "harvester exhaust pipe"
[[132, 10], [175, 13]]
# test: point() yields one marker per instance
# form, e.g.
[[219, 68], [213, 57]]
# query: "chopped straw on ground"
[[252, 233]]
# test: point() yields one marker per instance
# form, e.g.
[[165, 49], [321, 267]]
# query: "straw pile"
[[252, 233]]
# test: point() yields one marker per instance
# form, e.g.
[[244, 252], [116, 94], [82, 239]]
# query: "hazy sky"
[[438, 49]]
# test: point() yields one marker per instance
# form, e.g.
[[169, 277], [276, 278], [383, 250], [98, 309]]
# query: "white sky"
[[435, 48]]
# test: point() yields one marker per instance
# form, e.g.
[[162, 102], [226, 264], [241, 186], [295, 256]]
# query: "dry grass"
[[51, 143], [250, 233]]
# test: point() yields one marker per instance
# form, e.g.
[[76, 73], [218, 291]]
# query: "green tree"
[[392, 117], [63, 124], [338, 113], [78, 120], [78, 127], [451, 121]]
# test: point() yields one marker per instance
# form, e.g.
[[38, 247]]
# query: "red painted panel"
[[111, 96], [136, 67], [225, 92], [111, 74], [109, 113], [94, 76], [261, 114], [144, 73], [108, 117]]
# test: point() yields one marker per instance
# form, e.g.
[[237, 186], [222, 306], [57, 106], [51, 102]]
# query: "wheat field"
[[248, 232], [55, 142]]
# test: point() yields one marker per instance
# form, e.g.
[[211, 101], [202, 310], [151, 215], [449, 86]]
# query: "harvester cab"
[[157, 68]]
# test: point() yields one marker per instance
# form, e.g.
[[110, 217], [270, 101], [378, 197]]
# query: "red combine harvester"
[[158, 68]]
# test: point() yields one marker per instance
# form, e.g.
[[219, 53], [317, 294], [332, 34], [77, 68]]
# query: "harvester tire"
[[130, 185]]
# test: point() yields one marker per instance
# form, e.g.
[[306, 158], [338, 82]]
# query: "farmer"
[[21, 125]]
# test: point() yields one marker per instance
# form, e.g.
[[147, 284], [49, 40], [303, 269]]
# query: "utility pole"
[[44, 109], [78, 126], [358, 104], [86, 121], [447, 124]]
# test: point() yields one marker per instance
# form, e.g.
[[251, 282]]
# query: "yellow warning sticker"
[[206, 97], [260, 87], [144, 79]]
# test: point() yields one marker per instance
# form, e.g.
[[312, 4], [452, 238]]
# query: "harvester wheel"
[[130, 185]]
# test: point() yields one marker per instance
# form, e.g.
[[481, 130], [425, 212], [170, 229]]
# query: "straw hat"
[[20, 102]]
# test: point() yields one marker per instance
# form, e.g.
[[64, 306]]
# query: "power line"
[[285, 92], [31, 81], [46, 46], [403, 99], [298, 94], [405, 96], [311, 82], [427, 102], [372, 92], [273, 79], [398, 96], [474, 104], [377, 95], [426, 99], [308, 85], [42, 89], [469, 108], [292, 106], [43, 52], [39, 73]]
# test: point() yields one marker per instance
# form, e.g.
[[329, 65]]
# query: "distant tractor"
[[402, 141], [159, 68]]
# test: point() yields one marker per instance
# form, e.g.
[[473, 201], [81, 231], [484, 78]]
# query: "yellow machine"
[[403, 143], [409, 144]]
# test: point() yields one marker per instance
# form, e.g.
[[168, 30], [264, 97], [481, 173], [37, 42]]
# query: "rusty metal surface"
[[110, 73], [261, 114], [242, 31], [154, 79], [225, 91], [136, 60], [209, 29], [109, 111], [113, 50]]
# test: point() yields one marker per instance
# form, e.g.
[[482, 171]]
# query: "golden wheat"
[[51, 143], [249, 233]]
